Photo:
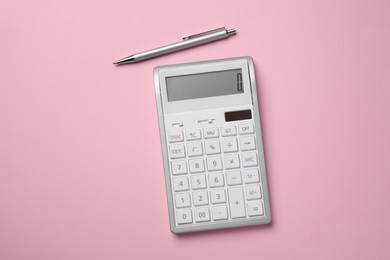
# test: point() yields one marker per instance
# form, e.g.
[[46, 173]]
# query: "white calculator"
[[211, 145]]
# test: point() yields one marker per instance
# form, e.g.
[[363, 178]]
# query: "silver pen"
[[187, 42]]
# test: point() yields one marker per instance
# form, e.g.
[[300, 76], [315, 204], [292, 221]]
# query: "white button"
[[193, 134], [219, 213], [210, 132], [179, 167], [212, 147], [229, 145], [184, 216], [249, 159], [233, 178], [176, 151], [198, 182], [217, 196], [196, 165], [200, 198], [182, 200], [180, 183], [246, 129], [202, 214], [255, 208], [175, 137], [194, 149], [214, 163], [216, 180], [251, 176], [247, 143], [253, 192], [236, 203], [232, 161], [228, 130]]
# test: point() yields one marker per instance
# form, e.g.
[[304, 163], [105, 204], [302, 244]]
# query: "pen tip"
[[129, 59]]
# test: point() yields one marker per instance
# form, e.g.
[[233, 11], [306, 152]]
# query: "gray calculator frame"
[[259, 142]]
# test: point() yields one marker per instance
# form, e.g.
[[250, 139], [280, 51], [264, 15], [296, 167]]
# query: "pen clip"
[[204, 33]]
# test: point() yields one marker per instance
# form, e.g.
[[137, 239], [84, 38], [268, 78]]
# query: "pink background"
[[81, 173]]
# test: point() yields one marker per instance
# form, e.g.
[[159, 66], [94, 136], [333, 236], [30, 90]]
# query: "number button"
[[214, 163], [177, 151], [180, 183], [194, 149], [196, 165], [198, 182], [229, 145], [184, 216], [253, 192], [202, 214], [232, 161], [216, 180], [233, 178], [193, 134], [210, 132], [251, 176], [218, 196], [175, 137], [182, 200], [228, 130], [200, 198], [212, 147], [246, 129], [179, 167], [249, 159], [219, 213], [247, 143]]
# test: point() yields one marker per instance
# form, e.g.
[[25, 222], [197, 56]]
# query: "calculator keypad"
[[215, 174]]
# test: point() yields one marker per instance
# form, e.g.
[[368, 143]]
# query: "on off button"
[[175, 137], [246, 129]]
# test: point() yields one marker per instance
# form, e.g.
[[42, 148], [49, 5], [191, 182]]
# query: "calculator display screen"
[[202, 85]]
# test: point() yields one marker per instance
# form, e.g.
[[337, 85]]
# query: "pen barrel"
[[185, 44]]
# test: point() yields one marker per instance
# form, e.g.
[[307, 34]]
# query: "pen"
[[187, 42]]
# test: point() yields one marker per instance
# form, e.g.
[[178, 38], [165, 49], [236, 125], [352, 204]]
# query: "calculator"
[[212, 145]]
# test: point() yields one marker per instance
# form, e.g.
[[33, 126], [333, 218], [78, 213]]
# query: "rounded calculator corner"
[[249, 58], [156, 69], [268, 220], [174, 230]]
